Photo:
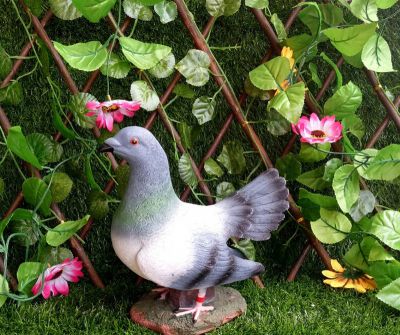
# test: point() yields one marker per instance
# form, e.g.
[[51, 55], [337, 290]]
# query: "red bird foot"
[[198, 308]]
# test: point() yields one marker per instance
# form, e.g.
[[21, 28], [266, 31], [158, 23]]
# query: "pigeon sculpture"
[[180, 245]]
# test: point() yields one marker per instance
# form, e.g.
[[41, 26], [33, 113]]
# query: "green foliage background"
[[303, 307]]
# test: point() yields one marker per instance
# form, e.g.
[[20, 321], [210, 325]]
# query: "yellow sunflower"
[[343, 278]]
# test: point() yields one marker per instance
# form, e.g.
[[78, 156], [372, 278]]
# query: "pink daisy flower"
[[109, 111], [56, 278], [314, 130]]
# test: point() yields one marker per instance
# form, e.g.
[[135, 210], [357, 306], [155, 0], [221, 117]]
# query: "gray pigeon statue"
[[180, 245]]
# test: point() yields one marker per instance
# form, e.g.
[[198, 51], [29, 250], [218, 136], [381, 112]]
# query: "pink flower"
[[314, 130], [56, 278], [109, 111]]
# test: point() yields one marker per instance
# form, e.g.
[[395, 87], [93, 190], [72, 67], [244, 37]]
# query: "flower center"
[[57, 274], [112, 108], [318, 133]]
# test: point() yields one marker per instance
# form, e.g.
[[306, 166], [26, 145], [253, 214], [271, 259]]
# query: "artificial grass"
[[303, 307]]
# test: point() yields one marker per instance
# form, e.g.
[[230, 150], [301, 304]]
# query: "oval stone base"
[[158, 316]]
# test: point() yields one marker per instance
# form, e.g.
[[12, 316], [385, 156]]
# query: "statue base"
[[157, 315]]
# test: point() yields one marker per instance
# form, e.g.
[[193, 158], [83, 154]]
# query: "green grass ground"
[[303, 307]]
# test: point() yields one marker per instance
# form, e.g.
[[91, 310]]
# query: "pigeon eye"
[[134, 141]]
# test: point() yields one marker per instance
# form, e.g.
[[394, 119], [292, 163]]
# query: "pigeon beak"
[[106, 148]]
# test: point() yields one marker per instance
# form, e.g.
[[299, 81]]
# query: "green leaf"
[[35, 6], [77, 106], [98, 204], [17, 143], [212, 168], [376, 54], [276, 124], [365, 10], [354, 60], [143, 93], [384, 273], [331, 15], [36, 193], [28, 226], [344, 102], [332, 227], [364, 205], [27, 275], [314, 74], [279, 27], [194, 67], [270, 75], [186, 170], [150, 2], [224, 190], [339, 77], [362, 161], [321, 200], [288, 166], [87, 56], [310, 153], [218, 8], [385, 4], [259, 4], [203, 109], [386, 226], [46, 149], [18, 214], [53, 256], [167, 11], [64, 9], [255, 92], [355, 126], [61, 186], [350, 41], [346, 185], [188, 134], [11, 94], [122, 174], [94, 10], [314, 179], [143, 55], [390, 294], [164, 67], [184, 91], [3, 289], [115, 67], [309, 209], [5, 63], [386, 164], [246, 247], [301, 46], [330, 168], [62, 232], [289, 103], [2, 187], [232, 157], [136, 10]]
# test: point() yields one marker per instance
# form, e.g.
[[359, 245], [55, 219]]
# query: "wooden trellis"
[[235, 114]]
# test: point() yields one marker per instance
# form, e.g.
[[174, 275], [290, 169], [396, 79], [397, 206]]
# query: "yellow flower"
[[288, 53], [343, 278]]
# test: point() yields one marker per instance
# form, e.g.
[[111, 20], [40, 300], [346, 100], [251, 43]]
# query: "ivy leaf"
[[276, 124], [346, 185], [365, 10], [46, 149], [289, 103], [385, 4], [64, 9], [11, 94], [18, 214], [350, 41], [28, 226], [136, 10], [386, 164], [36, 193], [2, 187], [321, 200], [363, 159], [232, 157], [376, 54], [288, 166], [53, 256], [203, 109], [224, 190], [279, 27], [87, 56], [143, 55], [301, 46], [77, 106], [94, 10], [331, 16], [27, 275], [332, 227], [344, 102], [310, 153], [35, 6], [194, 67], [167, 11], [188, 134], [259, 4], [142, 92], [186, 170], [364, 205], [330, 168], [314, 179], [61, 185], [218, 8], [390, 294], [65, 230], [5, 63], [255, 92], [384, 272], [122, 174], [150, 2], [18, 144], [164, 67], [98, 204], [314, 74], [246, 247], [184, 91], [355, 126], [3, 289], [386, 226], [115, 67], [212, 168], [270, 75]]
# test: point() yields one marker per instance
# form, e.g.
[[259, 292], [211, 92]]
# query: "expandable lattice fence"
[[236, 114]]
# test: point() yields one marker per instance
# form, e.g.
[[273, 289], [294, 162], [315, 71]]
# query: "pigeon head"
[[136, 145]]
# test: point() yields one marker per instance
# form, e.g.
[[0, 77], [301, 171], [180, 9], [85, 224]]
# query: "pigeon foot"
[[195, 311]]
